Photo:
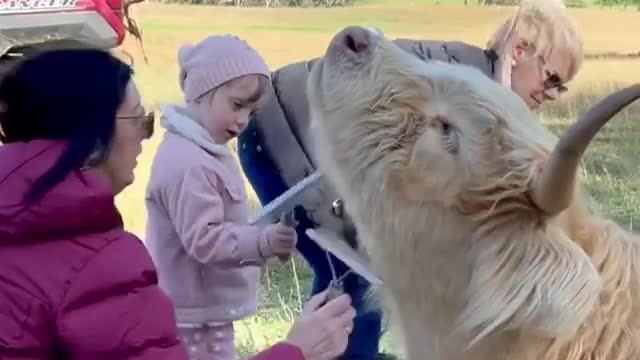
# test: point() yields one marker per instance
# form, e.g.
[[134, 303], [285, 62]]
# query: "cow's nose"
[[352, 40]]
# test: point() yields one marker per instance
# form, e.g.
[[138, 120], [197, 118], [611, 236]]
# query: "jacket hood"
[[81, 203]]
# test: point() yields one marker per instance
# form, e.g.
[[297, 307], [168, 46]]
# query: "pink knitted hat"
[[214, 61]]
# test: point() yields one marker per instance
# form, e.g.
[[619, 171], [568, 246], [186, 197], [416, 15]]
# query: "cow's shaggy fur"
[[437, 165]]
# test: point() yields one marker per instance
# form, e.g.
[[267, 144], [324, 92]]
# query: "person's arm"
[[197, 213], [280, 351], [456, 52], [114, 309]]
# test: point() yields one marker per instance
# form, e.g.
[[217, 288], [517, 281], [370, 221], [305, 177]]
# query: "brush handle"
[[288, 219]]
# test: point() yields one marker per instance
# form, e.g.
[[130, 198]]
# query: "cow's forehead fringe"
[[446, 74], [501, 101]]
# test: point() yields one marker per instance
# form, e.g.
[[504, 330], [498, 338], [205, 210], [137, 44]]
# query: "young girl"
[[207, 256]]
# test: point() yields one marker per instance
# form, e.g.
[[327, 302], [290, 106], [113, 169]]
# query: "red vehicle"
[[33, 25]]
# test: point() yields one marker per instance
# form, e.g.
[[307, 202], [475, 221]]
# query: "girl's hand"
[[281, 239], [322, 331]]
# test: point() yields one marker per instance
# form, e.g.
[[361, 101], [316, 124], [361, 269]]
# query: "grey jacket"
[[284, 123]]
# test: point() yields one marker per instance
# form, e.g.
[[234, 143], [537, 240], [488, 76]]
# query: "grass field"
[[288, 35]]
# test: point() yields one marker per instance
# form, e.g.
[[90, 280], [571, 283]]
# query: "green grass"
[[610, 169], [287, 35]]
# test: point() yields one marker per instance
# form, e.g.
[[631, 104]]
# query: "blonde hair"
[[544, 26]]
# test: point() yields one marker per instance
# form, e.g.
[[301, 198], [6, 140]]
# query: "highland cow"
[[471, 210]]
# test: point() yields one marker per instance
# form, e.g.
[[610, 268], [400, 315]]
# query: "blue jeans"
[[267, 183]]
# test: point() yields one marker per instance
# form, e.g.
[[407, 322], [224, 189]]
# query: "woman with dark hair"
[[73, 283]]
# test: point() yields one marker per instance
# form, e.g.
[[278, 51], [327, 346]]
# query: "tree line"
[[267, 3], [619, 3], [342, 3], [571, 3]]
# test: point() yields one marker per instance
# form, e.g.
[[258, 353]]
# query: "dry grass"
[[287, 35]]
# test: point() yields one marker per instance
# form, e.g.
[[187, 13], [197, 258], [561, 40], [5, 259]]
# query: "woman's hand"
[[322, 331]]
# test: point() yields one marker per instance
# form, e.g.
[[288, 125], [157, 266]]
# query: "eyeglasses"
[[551, 78], [553, 81], [145, 122]]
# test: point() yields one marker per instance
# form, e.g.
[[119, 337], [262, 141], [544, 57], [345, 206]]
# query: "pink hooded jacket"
[[73, 283], [208, 257]]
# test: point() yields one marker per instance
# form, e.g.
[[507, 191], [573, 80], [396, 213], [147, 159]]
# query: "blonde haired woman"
[[538, 51]]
